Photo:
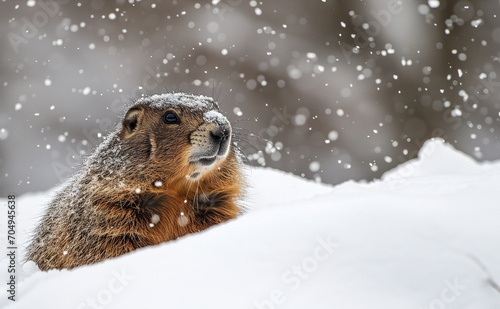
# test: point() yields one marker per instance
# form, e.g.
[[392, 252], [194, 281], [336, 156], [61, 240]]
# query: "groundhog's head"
[[177, 135]]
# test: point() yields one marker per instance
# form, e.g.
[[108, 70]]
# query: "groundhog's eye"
[[170, 117]]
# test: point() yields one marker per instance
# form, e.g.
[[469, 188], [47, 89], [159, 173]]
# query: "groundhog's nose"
[[220, 135]]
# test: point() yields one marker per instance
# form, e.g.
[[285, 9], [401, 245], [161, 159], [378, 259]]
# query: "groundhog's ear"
[[131, 122]]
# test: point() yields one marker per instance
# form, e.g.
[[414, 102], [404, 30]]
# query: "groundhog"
[[170, 169]]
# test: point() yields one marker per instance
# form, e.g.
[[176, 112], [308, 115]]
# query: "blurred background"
[[341, 89]]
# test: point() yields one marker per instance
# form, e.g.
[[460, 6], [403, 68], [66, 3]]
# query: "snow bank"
[[410, 240]]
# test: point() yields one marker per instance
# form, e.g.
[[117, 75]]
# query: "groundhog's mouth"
[[217, 153], [207, 161]]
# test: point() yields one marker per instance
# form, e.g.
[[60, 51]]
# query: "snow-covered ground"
[[419, 238]]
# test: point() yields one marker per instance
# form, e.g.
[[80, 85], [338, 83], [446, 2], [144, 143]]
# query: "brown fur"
[[113, 205]]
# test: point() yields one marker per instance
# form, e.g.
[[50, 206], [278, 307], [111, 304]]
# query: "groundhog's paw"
[[205, 202]]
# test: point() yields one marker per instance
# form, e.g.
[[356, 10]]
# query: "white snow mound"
[[425, 236]]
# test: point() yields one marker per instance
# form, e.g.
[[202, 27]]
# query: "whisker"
[[213, 88], [250, 139], [189, 188], [220, 91], [196, 196], [242, 154], [242, 120]]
